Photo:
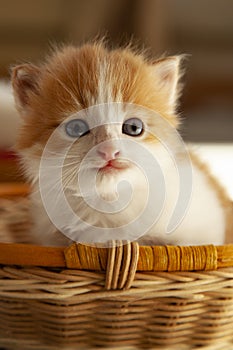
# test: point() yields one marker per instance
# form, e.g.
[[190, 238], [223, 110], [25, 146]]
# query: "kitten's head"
[[63, 90]]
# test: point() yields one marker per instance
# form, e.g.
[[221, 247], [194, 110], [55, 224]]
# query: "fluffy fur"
[[73, 80]]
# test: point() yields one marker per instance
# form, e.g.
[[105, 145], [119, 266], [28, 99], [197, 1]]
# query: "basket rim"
[[150, 258]]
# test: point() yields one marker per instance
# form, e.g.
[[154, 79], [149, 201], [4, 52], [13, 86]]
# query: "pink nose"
[[108, 152]]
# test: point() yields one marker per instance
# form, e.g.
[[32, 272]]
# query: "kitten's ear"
[[25, 82], [167, 71]]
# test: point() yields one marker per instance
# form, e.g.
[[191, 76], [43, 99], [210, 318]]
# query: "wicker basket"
[[124, 297]]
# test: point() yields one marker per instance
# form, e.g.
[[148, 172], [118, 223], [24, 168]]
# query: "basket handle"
[[122, 264]]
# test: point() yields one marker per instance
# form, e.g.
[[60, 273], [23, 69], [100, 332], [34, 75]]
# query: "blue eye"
[[133, 127], [76, 128]]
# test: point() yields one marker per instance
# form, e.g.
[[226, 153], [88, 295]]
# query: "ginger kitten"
[[99, 145]]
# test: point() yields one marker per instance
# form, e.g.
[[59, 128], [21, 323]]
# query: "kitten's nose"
[[108, 152]]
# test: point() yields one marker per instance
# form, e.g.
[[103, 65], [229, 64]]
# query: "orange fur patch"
[[72, 75]]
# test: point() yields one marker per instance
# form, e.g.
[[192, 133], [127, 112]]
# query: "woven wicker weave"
[[124, 297]]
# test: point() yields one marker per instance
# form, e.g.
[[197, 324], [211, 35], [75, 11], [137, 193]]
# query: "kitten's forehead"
[[94, 75], [106, 91], [102, 114]]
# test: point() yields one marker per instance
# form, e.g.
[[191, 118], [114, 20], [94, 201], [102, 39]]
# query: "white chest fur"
[[203, 221]]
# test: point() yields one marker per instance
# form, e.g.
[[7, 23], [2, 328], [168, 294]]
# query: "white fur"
[[105, 88], [204, 221]]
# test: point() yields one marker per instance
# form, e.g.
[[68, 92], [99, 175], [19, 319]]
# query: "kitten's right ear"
[[25, 81]]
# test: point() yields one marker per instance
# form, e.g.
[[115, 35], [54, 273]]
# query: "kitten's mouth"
[[114, 165]]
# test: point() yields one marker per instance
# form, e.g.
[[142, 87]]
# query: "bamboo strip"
[[156, 258]]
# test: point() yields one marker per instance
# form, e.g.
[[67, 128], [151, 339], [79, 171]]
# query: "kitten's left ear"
[[167, 74], [25, 81]]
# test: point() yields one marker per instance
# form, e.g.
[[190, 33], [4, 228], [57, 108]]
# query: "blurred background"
[[201, 28]]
